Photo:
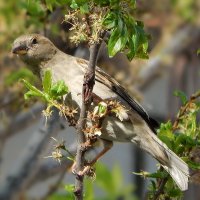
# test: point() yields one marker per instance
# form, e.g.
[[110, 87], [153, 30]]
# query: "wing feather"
[[107, 80]]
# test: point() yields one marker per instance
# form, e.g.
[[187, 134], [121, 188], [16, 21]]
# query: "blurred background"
[[25, 173]]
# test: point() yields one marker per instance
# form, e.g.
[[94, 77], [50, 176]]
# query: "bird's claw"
[[88, 170]]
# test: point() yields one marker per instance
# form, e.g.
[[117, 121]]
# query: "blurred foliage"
[[109, 184], [90, 19], [186, 9], [21, 73]]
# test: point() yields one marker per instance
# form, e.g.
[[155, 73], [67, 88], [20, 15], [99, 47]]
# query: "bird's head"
[[34, 49]]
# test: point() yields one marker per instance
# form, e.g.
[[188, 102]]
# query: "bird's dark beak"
[[20, 50]]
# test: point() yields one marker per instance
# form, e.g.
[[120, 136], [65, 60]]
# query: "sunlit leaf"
[[32, 88], [59, 89], [47, 81], [193, 165], [84, 8], [117, 41]]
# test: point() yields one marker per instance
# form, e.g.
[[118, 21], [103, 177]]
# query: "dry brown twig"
[[184, 108]]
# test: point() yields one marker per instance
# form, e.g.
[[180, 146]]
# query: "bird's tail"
[[178, 170], [174, 165]]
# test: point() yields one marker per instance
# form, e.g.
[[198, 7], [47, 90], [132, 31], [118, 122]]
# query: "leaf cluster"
[[126, 33], [51, 91], [52, 94], [182, 137]]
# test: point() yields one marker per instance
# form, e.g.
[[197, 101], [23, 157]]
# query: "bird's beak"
[[20, 50]]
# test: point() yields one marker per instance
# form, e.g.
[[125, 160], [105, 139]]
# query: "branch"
[[184, 108], [161, 188], [88, 83]]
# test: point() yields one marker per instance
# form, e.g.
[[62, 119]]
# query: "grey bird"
[[137, 127]]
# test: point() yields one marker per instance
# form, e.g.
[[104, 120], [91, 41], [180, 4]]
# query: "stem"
[[160, 189], [184, 108], [88, 83]]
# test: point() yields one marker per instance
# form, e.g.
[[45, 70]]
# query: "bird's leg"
[[107, 145]]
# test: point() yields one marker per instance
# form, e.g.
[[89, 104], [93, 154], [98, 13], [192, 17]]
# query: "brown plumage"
[[40, 54]]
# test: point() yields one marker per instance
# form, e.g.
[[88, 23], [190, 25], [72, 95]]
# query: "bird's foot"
[[88, 170]]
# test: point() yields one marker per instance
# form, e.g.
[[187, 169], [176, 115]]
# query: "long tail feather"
[[178, 170], [174, 165]]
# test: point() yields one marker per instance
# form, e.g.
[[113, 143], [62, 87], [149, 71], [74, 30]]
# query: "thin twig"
[[88, 83], [161, 188], [184, 108]]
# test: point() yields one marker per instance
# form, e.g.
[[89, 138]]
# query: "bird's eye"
[[34, 41]]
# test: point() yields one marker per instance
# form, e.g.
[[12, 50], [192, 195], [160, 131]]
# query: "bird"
[[137, 127]]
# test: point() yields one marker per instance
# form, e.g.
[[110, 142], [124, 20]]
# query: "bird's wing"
[[105, 79]]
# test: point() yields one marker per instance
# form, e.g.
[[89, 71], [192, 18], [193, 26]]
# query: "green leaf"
[[153, 184], [31, 94], [175, 192], [185, 140], [158, 174], [166, 130], [84, 8], [59, 89], [131, 47], [47, 81], [63, 2], [114, 3], [140, 41], [180, 149], [49, 4], [34, 8], [193, 165], [166, 140], [182, 96], [117, 41], [132, 3], [102, 109], [74, 5], [102, 2], [110, 20], [33, 89], [198, 51]]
